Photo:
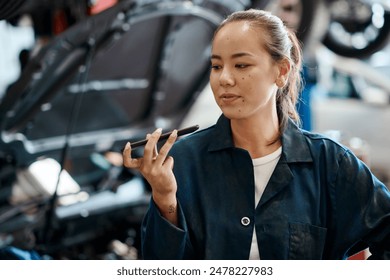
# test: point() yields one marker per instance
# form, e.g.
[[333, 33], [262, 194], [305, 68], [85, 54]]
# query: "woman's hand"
[[156, 167]]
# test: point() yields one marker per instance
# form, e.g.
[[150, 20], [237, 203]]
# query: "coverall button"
[[245, 221]]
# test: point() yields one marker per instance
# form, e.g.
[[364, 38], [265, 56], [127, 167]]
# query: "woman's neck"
[[260, 137]]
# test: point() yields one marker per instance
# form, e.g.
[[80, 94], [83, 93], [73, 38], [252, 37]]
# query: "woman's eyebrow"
[[236, 55], [241, 54]]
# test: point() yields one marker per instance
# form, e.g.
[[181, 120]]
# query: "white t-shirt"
[[263, 168]]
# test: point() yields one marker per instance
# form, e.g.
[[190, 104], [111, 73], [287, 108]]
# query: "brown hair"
[[281, 43]]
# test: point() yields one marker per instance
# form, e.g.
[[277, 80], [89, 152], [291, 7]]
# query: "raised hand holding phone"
[[156, 167]]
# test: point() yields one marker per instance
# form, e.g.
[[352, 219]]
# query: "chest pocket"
[[306, 241]]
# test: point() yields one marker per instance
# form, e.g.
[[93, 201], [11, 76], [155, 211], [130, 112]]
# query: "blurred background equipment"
[[9, 9], [358, 28], [107, 79]]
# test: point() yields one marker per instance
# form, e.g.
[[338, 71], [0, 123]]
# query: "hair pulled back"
[[281, 43]]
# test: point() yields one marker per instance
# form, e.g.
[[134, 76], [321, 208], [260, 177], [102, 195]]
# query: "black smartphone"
[[164, 136]]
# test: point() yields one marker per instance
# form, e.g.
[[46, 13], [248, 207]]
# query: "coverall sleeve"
[[362, 208], [160, 239]]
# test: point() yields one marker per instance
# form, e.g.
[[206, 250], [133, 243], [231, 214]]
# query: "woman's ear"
[[284, 68]]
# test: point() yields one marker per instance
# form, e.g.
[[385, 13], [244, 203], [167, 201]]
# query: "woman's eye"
[[215, 67], [241, 65]]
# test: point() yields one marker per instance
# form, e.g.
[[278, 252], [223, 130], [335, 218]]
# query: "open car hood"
[[107, 80], [111, 78]]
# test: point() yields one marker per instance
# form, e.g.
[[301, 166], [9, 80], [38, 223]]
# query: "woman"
[[254, 185]]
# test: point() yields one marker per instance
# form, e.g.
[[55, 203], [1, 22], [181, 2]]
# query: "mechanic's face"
[[243, 73]]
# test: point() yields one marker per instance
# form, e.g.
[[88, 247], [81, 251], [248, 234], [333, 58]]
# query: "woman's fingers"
[[155, 151], [150, 147], [162, 155], [169, 162], [128, 161], [151, 155]]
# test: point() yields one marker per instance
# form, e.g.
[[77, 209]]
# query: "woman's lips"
[[229, 97]]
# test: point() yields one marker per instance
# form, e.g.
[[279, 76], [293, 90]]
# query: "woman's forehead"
[[238, 35], [235, 27]]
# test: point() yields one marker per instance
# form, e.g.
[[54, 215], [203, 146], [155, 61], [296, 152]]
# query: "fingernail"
[[127, 145], [174, 133], [158, 130]]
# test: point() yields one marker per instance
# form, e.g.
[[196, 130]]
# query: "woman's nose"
[[226, 78]]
